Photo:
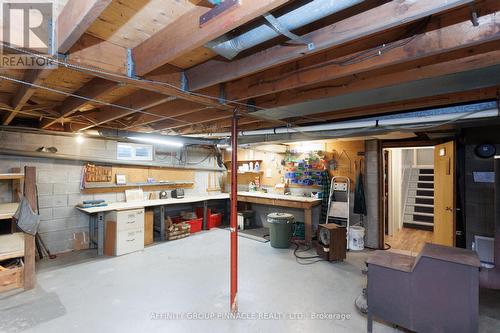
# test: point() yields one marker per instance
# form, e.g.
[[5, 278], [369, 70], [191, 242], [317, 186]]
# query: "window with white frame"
[[134, 152]]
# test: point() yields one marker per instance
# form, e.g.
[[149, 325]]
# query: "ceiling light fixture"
[[80, 138], [164, 142]]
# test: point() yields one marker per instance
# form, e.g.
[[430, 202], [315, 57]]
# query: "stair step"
[[421, 223], [426, 171], [423, 217], [423, 214], [426, 178], [416, 180], [424, 210], [424, 200], [420, 205]]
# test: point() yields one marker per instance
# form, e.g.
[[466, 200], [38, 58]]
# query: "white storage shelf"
[[7, 210], [11, 246]]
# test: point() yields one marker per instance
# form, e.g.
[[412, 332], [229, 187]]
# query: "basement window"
[[134, 152]]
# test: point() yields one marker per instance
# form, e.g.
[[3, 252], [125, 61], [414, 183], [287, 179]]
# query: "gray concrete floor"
[[80, 293]]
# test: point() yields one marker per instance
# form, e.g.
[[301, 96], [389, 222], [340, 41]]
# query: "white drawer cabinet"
[[124, 232], [129, 241], [127, 219]]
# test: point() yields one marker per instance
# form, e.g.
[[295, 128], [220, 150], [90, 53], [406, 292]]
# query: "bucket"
[[356, 238]]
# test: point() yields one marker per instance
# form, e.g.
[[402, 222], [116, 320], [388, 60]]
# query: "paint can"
[[356, 238]]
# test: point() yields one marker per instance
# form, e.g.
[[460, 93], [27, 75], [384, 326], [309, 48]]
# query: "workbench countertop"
[[153, 203], [279, 197]]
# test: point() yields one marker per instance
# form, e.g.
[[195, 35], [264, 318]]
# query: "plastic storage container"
[[199, 212], [356, 238], [280, 229], [214, 221], [196, 225]]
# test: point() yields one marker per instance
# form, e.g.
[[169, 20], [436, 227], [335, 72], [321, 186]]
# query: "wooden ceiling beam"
[[92, 90], [414, 104], [374, 110], [219, 126], [200, 117], [95, 53], [357, 83], [76, 17], [434, 46], [140, 100], [185, 34], [32, 76], [162, 114], [380, 19]]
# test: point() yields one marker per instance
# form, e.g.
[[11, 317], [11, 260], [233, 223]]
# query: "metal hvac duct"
[[229, 47], [392, 124]]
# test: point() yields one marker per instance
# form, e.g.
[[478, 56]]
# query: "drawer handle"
[[130, 222], [130, 240]]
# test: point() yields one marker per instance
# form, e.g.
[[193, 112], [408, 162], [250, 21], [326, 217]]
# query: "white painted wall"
[[396, 195], [424, 156]]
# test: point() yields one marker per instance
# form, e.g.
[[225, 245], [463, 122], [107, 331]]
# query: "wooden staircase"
[[419, 207]]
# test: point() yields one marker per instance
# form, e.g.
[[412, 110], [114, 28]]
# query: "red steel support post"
[[234, 212]]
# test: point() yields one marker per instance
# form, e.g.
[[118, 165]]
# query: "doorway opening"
[[409, 197]]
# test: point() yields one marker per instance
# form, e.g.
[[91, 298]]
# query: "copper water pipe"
[[234, 212], [490, 278]]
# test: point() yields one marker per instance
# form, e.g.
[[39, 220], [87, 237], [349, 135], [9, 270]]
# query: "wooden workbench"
[[96, 214], [288, 201]]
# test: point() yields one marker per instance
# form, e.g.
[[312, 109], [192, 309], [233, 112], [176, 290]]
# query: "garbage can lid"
[[280, 217]]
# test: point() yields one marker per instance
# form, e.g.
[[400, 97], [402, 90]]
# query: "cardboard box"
[[80, 240]]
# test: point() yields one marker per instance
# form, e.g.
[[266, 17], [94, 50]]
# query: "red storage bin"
[[214, 221], [176, 219], [196, 225], [199, 212]]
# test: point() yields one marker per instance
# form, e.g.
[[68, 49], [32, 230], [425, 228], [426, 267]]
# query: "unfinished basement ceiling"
[[274, 83]]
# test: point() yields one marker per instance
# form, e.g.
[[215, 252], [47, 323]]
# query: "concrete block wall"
[[58, 191], [58, 182], [371, 222]]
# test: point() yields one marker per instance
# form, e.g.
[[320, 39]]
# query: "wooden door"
[[444, 194]]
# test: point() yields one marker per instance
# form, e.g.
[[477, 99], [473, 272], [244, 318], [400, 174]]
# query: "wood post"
[[29, 240]]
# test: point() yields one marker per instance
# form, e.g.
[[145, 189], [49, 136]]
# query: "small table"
[[288, 201]]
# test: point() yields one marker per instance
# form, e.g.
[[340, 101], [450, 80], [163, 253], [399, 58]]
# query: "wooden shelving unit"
[[18, 245], [7, 210], [112, 188], [229, 163]]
